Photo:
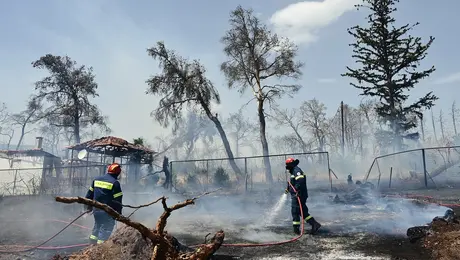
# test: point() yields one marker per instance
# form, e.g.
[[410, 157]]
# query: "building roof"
[[36, 152], [113, 146]]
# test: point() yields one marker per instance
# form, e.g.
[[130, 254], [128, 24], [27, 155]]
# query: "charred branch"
[[164, 245]]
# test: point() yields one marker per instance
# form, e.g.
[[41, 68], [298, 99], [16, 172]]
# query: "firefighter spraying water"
[[299, 190]]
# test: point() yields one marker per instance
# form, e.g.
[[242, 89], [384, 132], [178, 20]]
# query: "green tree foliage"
[[183, 84], [389, 59], [256, 55], [65, 94]]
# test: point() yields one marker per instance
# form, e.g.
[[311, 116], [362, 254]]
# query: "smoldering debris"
[[418, 232], [363, 194], [440, 236]]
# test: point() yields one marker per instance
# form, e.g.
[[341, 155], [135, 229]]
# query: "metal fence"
[[204, 174], [74, 179], [432, 167]]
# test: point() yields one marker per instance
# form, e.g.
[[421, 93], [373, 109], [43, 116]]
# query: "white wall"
[[28, 172]]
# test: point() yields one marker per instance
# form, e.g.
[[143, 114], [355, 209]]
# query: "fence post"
[[246, 174], [171, 176], [329, 169], [14, 182], [391, 175], [207, 172], [424, 168]]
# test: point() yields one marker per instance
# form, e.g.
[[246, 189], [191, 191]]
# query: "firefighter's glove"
[[286, 191]]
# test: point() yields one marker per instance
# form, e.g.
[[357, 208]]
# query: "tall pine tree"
[[389, 58]]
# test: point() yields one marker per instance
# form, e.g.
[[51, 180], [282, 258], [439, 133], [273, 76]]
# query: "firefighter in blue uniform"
[[298, 180], [105, 189]]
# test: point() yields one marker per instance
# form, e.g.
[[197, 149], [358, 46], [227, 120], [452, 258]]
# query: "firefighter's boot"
[[92, 240], [296, 229], [315, 225]]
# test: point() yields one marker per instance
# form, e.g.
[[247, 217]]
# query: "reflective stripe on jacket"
[[299, 181], [106, 189]]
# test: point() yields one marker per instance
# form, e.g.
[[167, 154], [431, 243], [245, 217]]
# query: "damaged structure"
[[35, 171], [109, 149]]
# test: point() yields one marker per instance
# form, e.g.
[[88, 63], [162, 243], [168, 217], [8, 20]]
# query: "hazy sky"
[[112, 36]]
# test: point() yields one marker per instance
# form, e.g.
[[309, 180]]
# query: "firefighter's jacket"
[[299, 181], [106, 189]]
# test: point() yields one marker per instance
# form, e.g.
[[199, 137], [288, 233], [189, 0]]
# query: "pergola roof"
[[112, 146]]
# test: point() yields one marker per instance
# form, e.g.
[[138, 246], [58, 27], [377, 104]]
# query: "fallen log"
[[158, 241]]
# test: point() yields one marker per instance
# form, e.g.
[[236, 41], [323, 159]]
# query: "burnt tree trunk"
[[225, 141], [454, 122], [434, 126], [263, 140]]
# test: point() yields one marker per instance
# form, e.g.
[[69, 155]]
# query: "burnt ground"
[[349, 232]]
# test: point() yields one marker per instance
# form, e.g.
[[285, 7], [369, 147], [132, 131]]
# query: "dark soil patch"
[[398, 247], [443, 239]]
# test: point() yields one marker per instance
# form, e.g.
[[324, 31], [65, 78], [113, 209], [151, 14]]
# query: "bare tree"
[[290, 118], [95, 131], [454, 115], [194, 128], [314, 119], [6, 128], [354, 133], [26, 118], [4, 114], [255, 55], [434, 126], [8, 131], [184, 84], [67, 92], [241, 128], [441, 120], [52, 137]]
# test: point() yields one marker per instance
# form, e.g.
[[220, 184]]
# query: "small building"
[[26, 171]]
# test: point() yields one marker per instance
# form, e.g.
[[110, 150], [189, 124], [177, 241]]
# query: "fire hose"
[[41, 247], [72, 223]]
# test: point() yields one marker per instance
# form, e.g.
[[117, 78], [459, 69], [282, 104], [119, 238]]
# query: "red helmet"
[[114, 168], [289, 160]]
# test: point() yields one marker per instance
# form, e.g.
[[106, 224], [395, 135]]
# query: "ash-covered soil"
[[373, 231]]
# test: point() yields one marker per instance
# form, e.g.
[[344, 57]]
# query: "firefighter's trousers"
[[296, 214], [103, 227]]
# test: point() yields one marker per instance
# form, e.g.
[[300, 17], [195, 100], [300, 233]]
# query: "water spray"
[[274, 211]]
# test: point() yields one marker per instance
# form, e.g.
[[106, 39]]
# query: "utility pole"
[[343, 128]]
